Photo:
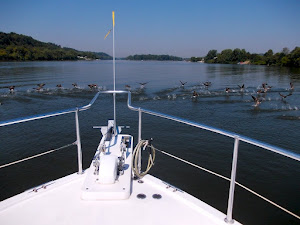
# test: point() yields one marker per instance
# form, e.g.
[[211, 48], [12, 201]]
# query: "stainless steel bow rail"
[[237, 138], [52, 114]]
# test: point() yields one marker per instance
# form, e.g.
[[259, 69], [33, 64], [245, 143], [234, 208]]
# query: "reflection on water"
[[275, 121]]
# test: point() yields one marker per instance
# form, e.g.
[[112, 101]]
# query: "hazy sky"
[[181, 28]]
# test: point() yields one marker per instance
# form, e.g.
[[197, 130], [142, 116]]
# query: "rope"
[[226, 178], [35, 156], [135, 156]]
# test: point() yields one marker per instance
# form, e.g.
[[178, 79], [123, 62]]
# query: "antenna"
[[114, 72]]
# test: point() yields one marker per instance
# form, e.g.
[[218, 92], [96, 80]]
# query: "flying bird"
[[207, 84], [260, 91], [41, 85], [143, 84], [227, 90], [75, 85], [265, 87], [127, 87], [195, 94], [256, 100], [242, 88], [182, 83], [39, 88], [11, 88], [284, 96], [92, 86]]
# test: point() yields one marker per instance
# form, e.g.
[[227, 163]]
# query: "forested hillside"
[[17, 47]]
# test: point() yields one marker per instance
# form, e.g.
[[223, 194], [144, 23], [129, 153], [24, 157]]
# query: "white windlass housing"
[[110, 174], [108, 169]]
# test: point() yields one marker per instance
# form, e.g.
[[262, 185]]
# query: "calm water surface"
[[275, 121]]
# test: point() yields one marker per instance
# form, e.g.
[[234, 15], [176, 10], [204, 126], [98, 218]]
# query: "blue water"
[[274, 121]]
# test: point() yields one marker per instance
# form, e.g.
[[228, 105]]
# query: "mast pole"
[[114, 72]]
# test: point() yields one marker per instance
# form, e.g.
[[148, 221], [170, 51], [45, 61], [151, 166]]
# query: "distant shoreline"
[[21, 48]]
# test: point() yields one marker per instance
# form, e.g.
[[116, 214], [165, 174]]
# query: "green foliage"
[[211, 55], [283, 58], [154, 57], [196, 59], [17, 47]]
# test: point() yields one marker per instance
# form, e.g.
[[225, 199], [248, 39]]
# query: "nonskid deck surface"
[[60, 203]]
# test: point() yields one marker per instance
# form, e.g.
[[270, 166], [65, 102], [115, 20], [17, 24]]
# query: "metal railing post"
[[78, 142], [139, 139], [228, 218], [140, 125]]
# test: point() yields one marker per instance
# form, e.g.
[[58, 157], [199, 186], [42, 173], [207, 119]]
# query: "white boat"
[[114, 190]]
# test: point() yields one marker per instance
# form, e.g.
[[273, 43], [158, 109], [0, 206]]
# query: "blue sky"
[[181, 28]]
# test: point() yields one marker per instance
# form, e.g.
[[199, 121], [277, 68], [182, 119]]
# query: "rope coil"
[[143, 144]]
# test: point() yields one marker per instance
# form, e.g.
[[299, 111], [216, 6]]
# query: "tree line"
[[229, 56], [154, 57], [17, 47]]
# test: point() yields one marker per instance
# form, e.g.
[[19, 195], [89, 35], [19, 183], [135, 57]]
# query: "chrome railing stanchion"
[[139, 139], [228, 218], [140, 125], [78, 143]]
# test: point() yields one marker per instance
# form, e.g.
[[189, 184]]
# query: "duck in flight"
[[127, 87], [256, 100], [143, 84], [227, 90], [182, 83], [40, 87], [265, 87], [207, 84], [284, 96], [92, 86], [260, 91], [242, 88], [195, 94], [11, 89]]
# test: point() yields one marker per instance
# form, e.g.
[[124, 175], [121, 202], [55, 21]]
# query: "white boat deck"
[[60, 203]]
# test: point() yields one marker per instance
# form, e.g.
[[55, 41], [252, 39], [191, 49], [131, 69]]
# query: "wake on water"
[[270, 101]]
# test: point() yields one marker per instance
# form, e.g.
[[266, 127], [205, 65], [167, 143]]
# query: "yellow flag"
[[107, 34], [113, 18]]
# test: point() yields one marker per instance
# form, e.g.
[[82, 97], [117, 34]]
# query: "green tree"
[[212, 54], [295, 57], [285, 51], [226, 56]]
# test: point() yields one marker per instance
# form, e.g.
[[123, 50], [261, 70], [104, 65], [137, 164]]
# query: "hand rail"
[[236, 137], [51, 114], [59, 113], [272, 148], [245, 139]]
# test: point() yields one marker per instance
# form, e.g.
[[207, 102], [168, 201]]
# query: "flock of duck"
[[41, 86], [257, 99]]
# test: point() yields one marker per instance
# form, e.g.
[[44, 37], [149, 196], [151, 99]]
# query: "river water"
[[275, 121]]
